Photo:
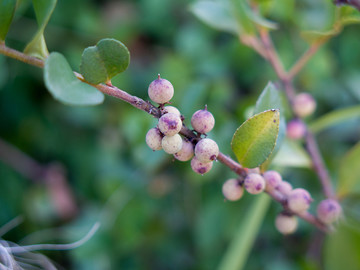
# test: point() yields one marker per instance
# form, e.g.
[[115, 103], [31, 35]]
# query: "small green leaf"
[[349, 172], [65, 87], [258, 19], [7, 9], [292, 154], [255, 139], [105, 60]]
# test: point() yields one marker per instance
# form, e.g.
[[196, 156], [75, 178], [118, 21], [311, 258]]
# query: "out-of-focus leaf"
[[43, 10], [257, 18], [105, 60], [292, 154], [255, 139], [7, 9], [65, 87], [349, 172], [334, 117]]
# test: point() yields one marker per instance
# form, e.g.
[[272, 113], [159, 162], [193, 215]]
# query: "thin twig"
[[20, 56]]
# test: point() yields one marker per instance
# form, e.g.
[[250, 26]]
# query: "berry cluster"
[[166, 135], [296, 201]]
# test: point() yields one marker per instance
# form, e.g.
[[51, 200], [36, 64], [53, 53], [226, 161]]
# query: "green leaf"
[[342, 248], [105, 60], [216, 14], [334, 117], [349, 172], [43, 10], [240, 247], [65, 87], [257, 18], [292, 154], [7, 9], [255, 139]]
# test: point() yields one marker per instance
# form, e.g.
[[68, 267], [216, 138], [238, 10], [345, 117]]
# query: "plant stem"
[[20, 56]]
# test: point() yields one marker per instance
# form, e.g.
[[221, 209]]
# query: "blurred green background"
[[155, 212]]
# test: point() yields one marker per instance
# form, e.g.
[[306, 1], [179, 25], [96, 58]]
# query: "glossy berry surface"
[[160, 90], [206, 150], [299, 200], [232, 190], [172, 144], [254, 183], [170, 124], [153, 139], [186, 152], [200, 167], [202, 121], [171, 109], [272, 179]]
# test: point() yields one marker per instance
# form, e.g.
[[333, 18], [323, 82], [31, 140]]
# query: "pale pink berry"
[[272, 180], [202, 121], [232, 190], [329, 211], [160, 90], [171, 109], [153, 139], [200, 167], [286, 224], [206, 150], [295, 129], [254, 183], [170, 124], [186, 152], [284, 188], [304, 105], [172, 144], [299, 200]]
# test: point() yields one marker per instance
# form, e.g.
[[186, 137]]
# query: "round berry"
[[299, 200], [202, 121], [254, 183], [286, 224], [232, 190], [172, 144], [284, 188], [304, 104], [200, 167], [206, 150], [272, 180], [160, 90], [171, 109], [186, 152], [295, 129], [153, 139], [170, 124], [328, 211]]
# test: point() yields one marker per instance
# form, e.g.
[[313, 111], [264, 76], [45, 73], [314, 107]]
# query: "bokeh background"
[[155, 212]]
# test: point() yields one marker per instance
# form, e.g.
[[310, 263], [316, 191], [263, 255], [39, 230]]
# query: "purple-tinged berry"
[[299, 200], [200, 167], [232, 190], [160, 90], [186, 152], [202, 121], [272, 180], [286, 224], [304, 104], [172, 144], [284, 188], [329, 211], [206, 150], [295, 129], [170, 124], [171, 109], [153, 139], [254, 183]]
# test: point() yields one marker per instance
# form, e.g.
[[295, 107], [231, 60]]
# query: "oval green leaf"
[[105, 60], [255, 139], [65, 87], [7, 9]]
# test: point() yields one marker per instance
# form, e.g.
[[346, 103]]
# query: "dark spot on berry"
[[258, 187], [274, 121], [213, 157], [172, 124], [331, 207], [202, 170]]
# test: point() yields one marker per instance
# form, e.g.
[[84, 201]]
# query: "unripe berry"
[[328, 211], [202, 121], [254, 183], [171, 109], [153, 139], [272, 180], [295, 129], [284, 188], [160, 90], [304, 104], [232, 190], [172, 144], [200, 167], [186, 152], [170, 124], [206, 150], [299, 200], [286, 224]]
